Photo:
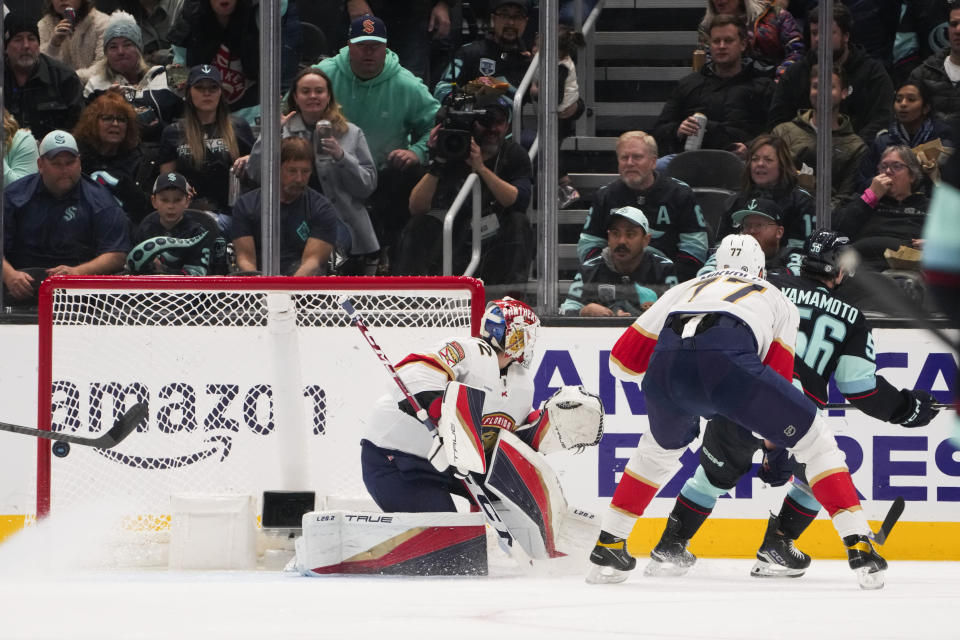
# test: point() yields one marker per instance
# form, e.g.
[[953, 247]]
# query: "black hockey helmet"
[[821, 253]]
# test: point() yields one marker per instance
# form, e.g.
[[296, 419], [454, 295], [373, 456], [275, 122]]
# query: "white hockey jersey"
[[758, 303], [470, 361]]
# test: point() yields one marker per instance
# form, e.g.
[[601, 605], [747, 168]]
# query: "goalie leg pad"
[[525, 483], [461, 416], [353, 542]]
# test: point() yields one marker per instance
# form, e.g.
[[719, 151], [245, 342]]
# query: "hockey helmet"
[[741, 252], [510, 326], [822, 253]]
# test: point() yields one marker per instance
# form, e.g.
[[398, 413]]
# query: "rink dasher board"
[[887, 459]]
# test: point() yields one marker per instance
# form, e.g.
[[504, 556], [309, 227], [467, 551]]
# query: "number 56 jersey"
[[760, 305]]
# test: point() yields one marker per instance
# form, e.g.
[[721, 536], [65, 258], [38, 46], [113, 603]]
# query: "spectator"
[[571, 105], [59, 221], [308, 222], [41, 93], [395, 112], [155, 18], [730, 91], [75, 41], [109, 141], [20, 151], [143, 86], [941, 72], [922, 32], [914, 124], [775, 39], [415, 25], [173, 239], [501, 56], [205, 143], [613, 282], [770, 173], [678, 231], [343, 167], [763, 219], [848, 150], [870, 87], [225, 34], [873, 23], [506, 184], [891, 211]]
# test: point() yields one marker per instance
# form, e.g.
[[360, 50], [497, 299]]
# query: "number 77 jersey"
[[761, 306]]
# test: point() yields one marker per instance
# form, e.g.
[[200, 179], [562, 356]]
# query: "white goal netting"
[[252, 384]]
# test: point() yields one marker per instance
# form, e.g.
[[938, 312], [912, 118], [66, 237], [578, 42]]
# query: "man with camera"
[[471, 138]]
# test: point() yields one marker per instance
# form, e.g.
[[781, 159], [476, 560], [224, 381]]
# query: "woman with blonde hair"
[[343, 167], [203, 145], [71, 31], [19, 150], [108, 138]]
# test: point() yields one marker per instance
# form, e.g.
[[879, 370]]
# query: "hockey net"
[[252, 384]]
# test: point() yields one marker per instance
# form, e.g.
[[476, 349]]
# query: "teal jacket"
[[21, 157], [394, 109]]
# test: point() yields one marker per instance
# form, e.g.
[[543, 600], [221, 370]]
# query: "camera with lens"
[[457, 115]]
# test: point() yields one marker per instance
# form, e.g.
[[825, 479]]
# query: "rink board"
[[887, 460]]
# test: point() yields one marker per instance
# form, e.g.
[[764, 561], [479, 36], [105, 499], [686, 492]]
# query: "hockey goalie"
[[475, 421]]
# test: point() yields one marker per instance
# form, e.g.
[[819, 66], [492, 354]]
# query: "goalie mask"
[[510, 326]]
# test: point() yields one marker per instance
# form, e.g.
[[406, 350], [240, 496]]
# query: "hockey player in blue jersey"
[[833, 340]]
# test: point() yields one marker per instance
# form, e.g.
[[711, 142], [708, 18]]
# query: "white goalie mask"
[[740, 252], [511, 327]]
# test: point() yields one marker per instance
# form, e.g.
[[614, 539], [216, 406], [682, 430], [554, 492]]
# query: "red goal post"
[[253, 383]]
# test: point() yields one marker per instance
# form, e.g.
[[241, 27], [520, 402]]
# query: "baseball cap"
[[632, 214], [759, 207], [57, 141], [367, 28], [171, 180], [523, 4], [204, 72]]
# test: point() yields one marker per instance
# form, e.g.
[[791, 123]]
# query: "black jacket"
[[51, 99], [735, 107], [870, 105], [946, 94]]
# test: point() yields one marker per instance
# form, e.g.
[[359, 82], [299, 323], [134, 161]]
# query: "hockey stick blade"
[[893, 515], [124, 426]]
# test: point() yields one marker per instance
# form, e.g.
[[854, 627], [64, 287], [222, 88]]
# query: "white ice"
[[51, 588]]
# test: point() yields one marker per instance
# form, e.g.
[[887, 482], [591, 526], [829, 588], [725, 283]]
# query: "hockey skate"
[[670, 557], [865, 561], [611, 560], [777, 556]]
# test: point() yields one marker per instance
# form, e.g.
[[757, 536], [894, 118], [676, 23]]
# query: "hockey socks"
[[794, 518], [689, 515]]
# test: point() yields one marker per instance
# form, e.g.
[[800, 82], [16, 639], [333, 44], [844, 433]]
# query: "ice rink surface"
[[48, 590]]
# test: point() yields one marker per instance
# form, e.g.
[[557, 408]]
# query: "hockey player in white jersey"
[[723, 345], [405, 470]]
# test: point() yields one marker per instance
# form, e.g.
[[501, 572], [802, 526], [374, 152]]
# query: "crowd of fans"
[[130, 139]]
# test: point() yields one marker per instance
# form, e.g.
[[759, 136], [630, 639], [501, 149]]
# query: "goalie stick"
[[505, 539], [124, 426]]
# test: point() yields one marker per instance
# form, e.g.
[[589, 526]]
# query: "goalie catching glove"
[[571, 419]]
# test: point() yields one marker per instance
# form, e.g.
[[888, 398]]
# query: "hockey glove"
[[919, 409], [777, 467]]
